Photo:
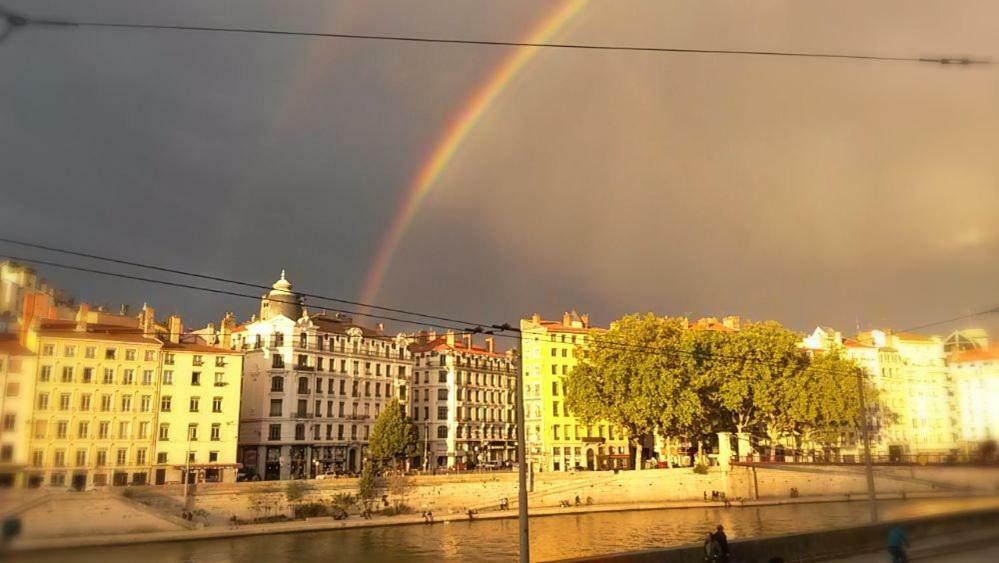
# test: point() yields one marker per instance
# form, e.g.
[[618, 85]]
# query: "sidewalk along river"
[[552, 537]]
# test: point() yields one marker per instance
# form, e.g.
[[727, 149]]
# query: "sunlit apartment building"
[[914, 385], [462, 402], [93, 406], [17, 378], [84, 400], [555, 439], [313, 386], [974, 371], [198, 411]]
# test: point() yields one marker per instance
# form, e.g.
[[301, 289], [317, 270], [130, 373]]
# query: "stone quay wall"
[[444, 494]]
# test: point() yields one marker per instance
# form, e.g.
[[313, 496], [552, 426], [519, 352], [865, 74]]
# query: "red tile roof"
[[11, 346], [976, 355], [197, 347], [53, 328], [913, 337], [704, 324], [440, 344]]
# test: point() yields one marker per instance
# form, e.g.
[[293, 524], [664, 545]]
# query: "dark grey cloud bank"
[[806, 191]]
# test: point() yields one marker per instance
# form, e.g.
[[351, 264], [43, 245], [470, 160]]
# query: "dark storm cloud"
[[807, 191]]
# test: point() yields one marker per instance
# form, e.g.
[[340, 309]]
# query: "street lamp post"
[[187, 467], [525, 537]]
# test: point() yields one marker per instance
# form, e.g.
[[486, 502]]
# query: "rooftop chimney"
[[566, 319], [380, 327], [37, 306], [176, 328], [732, 321], [226, 327], [468, 341], [586, 320], [536, 318], [81, 317], [147, 320], [450, 338], [490, 346]]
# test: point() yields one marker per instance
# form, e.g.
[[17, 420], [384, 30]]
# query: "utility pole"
[[865, 432], [524, 525], [187, 467]]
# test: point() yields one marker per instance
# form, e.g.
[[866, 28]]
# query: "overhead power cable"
[[17, 21], [492, 330], [229, 293], [226, 280]]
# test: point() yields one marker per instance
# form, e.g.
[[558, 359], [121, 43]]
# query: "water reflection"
[[552, 537]]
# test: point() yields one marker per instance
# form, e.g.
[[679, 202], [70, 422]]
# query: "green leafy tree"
[[368, 487], [690, 412], [393, 437], [754, 375], [632, 376], [826, 400]]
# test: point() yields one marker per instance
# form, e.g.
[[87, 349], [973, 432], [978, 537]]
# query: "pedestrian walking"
[[722, 540], [897, 544]]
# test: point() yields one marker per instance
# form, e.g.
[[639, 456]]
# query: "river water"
[[552, 537]]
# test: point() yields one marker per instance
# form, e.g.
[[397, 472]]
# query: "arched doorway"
[[591, 459]]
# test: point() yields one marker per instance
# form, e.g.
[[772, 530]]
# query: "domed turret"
[[281, 301]]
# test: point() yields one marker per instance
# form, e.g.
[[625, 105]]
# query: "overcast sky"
[[808, 191]]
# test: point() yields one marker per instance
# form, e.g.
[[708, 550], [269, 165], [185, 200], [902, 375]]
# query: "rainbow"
[[457, 131]]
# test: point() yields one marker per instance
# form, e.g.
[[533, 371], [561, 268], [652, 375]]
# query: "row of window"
[[194, 404], [82, 455], [488, 433], [125, 403], [470, 378], [472, 395], [277, 409], [40, 430], [274, 432], [126, 377], [463, 360], [333, 344], [277, 386], [467, 413], [122, 457], [192, 432], [67, 375], [90, 353], [317, 363], [602, 431]]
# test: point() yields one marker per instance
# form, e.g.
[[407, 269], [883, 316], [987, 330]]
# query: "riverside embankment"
[[152, 513]]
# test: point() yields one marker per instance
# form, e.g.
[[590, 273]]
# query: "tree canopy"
[[657, 374], [393, 437], [619, 378]]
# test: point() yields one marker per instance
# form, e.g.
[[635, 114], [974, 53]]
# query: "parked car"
[[328, 475]]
